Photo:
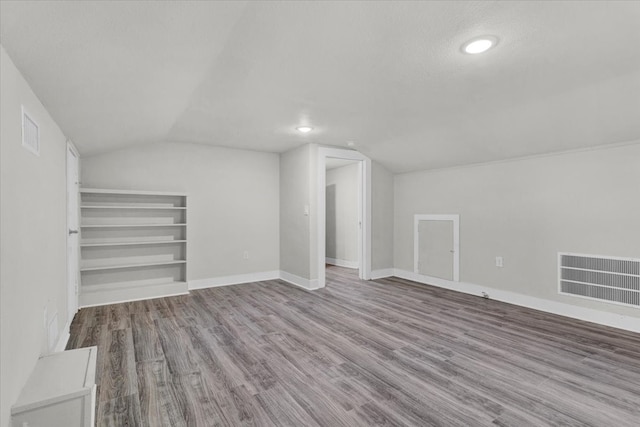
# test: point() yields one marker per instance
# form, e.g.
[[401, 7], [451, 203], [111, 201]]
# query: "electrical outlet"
[[245, 255], [499, 262]]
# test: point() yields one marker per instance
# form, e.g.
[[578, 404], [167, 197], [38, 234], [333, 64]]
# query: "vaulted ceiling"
[[389, 76]]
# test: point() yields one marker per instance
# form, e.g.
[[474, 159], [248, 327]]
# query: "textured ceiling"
[[388, 75]]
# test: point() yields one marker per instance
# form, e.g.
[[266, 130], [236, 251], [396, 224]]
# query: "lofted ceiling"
[[389, 76]]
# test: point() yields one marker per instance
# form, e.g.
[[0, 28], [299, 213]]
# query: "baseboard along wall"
[[236, 279], [301, 282], [627, 323], [341, 262]]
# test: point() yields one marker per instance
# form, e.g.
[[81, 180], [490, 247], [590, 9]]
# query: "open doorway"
[[342, 218], [344, 211]]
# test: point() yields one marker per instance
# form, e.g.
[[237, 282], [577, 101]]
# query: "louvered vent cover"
[[609, 279], [30, 133]]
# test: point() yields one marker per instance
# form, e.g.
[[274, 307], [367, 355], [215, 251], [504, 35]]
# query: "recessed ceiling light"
[[479, 44], [304, 129]]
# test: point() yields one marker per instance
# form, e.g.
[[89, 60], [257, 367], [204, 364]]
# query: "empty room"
[[320, 213]]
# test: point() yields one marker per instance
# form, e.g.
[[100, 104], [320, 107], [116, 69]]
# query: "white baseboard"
[[63, 338], [254, 277], [234, 280], [619, 321], [380, 274], [342, 262], [117, 295], [298, 281]]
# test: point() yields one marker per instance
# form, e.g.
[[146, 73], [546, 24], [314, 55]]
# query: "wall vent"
[[30, 133], [609, 279]]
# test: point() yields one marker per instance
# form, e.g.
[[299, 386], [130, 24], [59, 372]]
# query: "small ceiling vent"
[[609, 279], [30, 133]]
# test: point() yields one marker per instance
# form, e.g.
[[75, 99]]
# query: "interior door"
[[435, 249], [436, 246], [73, 270]]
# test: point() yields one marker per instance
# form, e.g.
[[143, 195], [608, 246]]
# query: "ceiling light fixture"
[[304, 129], [479, 44]]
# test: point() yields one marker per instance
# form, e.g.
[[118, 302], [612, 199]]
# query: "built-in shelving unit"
[[133, 245]]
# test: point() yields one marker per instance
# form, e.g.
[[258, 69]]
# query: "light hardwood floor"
[[388, 352]]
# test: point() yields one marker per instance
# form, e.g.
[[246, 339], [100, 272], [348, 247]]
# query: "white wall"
[[295, 227], [342, 214], [33, 228], [381, 218], [527, 211], [233, 200]]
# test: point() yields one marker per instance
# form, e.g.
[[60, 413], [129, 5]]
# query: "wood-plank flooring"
[[388, 352]]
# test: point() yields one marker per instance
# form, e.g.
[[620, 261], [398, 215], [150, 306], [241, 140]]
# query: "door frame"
[[72, 290], [456, 240], [364, 210]]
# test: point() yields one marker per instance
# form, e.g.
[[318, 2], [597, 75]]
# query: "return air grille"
[[609, 279], [30, 133]]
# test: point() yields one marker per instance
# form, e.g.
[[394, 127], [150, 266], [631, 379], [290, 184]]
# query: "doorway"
[[73, 263], [342, 218], [362, 170], [436, 246]]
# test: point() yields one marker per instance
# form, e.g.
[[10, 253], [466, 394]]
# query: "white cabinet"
[[133, 245], [61, 391]]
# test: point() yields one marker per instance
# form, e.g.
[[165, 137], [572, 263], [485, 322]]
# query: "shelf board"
[[123, 266], [130, 192], [126, 285], [131, 207], [150, 242], [131, 225]]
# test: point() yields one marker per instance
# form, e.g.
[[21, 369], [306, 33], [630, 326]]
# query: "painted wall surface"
[[232, 200], [295, 224], [527, 211], [381, 217], [33, 223], [342, 213]]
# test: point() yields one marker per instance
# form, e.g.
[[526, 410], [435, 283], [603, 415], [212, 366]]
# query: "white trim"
[[300, 282], [617, 258], [236, 279], [72, 308], [381, 274], [619, 321], [456, 240], [364, 209], [342, 262], [63, 338]]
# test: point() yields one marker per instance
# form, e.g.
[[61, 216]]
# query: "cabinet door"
[[435, 249]]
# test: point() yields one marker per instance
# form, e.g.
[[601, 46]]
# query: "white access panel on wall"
[[437, 246]]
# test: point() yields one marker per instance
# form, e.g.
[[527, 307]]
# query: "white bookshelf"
[[133, 245]]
